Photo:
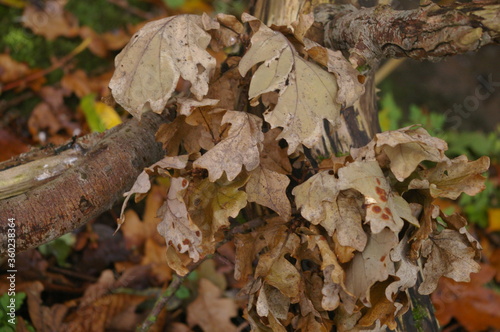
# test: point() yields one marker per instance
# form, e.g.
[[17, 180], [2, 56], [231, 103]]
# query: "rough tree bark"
[[105, 167]]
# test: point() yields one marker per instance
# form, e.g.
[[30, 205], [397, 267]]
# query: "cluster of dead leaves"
[[365, 219]]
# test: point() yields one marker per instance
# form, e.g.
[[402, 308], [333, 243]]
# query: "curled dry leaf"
[[349, 87], [142, 184], [321, 202], [407, 147], [177, 227], [384, 207], [307, 93], [448, 254], [268, 188], [149, 67], [452, 177], [210, 311], [210, 204], [371, 265], [241, 147]]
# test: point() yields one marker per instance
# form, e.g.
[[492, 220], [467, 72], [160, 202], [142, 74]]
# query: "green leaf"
[[88, 105], [183, 293], [174, 4]]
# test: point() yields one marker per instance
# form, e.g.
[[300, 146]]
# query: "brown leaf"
[[407, 147], [268, 188], [307, 93], [51, 22], [11, 70], [149, 67], [272, 156], [240, 148], [177, 227], [371, 265], [349, 87], [474, 306], [451, 178], [384, 207], [448, 254], [209, 311]]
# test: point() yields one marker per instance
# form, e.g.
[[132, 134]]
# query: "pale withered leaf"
[[452, 177], [449, 254], [176, 226], [384, 207], [268, 188], [149, 67], [240, 148], [371, 265], [307, 92], [408, 147], [211, 310], [321, 202], [349, 87]]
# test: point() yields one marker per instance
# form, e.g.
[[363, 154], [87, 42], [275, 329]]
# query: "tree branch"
[[427, 33], [98, 178]]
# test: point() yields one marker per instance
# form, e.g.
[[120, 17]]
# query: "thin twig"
[[177, 281], [23, 81]]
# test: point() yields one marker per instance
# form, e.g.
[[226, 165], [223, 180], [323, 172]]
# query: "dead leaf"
[[51, 22], [451, 178], [307, 93], [449, 254], [474, 306], [241, 147], [177, 227], [349, 87], [321, 202], [149, 67], [371, 265], [268, 188], [11, 70], [384, 207], [407, 147], [210, 311], [210, 204], [272, 156]]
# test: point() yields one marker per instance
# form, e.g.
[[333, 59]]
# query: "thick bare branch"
[[89, 187], [427, 33]]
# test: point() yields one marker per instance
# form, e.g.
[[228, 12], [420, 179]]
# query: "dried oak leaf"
[[268, 188], [452, 177], [307, 92], [210, 311], [277, 271], [321, 202], [349, 87], [149, 67], [272, 156], [177, 227], [407, 147], [210, 204], [272, 302], [384, 208], [249, 245], [142, 184], [473, 305], [371, 265], [448, 254], [406, 271], [242, 146]]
